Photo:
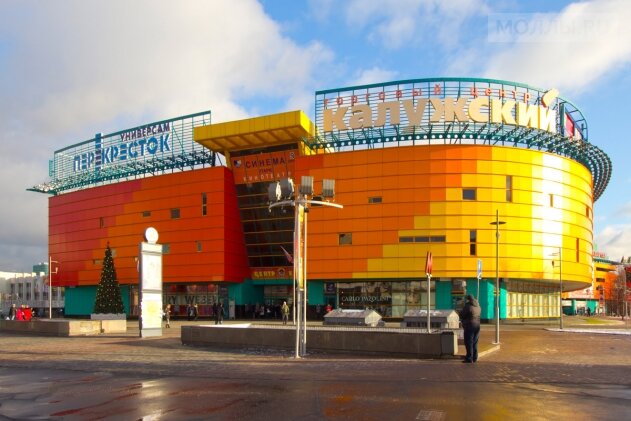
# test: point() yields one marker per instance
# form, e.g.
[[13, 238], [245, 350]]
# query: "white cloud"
[[568, 50], [71, 69], [396, 23], [373, 75], [614, 240]]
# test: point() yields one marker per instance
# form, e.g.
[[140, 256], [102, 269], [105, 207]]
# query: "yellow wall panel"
[[421, 191]]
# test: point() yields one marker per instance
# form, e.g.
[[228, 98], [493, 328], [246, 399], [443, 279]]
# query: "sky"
[[72, 68]]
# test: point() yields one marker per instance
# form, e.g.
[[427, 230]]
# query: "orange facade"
[[195, 213], [392, 196]]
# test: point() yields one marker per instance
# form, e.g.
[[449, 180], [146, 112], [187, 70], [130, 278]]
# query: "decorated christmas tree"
[[108, 292]]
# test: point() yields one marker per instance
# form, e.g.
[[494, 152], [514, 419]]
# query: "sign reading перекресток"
[[129, 145], [143, 149]]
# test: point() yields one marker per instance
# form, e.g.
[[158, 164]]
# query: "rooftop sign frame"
[[456, 111], [140, 151]]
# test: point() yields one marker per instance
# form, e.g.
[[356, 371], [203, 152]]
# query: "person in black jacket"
[[470, 318]]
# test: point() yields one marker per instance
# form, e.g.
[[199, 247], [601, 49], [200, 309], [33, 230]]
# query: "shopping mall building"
[[496, 179]]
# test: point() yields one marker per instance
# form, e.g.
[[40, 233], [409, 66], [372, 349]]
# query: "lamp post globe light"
[[282, 193], [497, 224]]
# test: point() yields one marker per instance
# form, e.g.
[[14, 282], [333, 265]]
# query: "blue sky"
[[70, 69]]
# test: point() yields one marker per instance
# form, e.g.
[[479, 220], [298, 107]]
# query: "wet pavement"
[[536, 374]]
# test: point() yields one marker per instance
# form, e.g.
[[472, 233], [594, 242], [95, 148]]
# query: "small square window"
[[468, 194], [376, 199], [146, 214], [101, 222], [166, 248], [199, 246], [346, 238], [175, 213]]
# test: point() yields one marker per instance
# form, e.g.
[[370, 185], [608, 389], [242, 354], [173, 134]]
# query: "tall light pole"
[[558, 253], [497, 224], [50, 285], [281, 193]]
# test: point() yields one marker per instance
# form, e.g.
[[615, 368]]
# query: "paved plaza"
[[538, 373]]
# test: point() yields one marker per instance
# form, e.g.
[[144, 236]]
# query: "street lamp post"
[[497, 224], [558, 253], [281, 193], [50, 285]]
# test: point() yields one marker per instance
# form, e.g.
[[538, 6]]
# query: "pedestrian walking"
[[220, 312], [216, 312], [470, 318], [12, 312], [195, 312], [167, 315], [284, 310]]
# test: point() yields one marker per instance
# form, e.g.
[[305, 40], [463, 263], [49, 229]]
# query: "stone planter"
[[111, 323], [108, 316]]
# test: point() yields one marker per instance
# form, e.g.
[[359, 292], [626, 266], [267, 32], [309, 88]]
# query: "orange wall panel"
[[78, 240]]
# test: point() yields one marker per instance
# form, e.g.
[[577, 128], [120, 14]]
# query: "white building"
[[30, 289]]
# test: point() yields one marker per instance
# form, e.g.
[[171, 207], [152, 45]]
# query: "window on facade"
[[473, 234], [509, 188], [346, 238], [551, 200], [175, 213], [204, 204], [587, 211], [578, 250], [166, 248], [146, 214], [468, 194], [376, 199], [101, 222], [423, 239], [199, 246]]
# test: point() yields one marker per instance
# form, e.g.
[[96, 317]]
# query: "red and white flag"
[[287, 255]]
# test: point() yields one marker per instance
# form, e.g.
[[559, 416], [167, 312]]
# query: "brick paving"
[[554, 374]]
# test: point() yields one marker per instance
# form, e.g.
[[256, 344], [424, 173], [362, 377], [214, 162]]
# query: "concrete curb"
[[599, 331]]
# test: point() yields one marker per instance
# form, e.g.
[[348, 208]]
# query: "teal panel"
[[272, 282], [245, 293], [443, 296], [487, 298], [79, 301], [315, 293], [503, 300]]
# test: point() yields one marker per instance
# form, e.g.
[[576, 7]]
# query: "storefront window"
[[531, 299], [390, 299], [180, 296]]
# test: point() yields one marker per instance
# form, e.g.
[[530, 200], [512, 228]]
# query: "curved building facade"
[[495, 179]]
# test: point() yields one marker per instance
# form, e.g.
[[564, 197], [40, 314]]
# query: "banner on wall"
[[266, 166]]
